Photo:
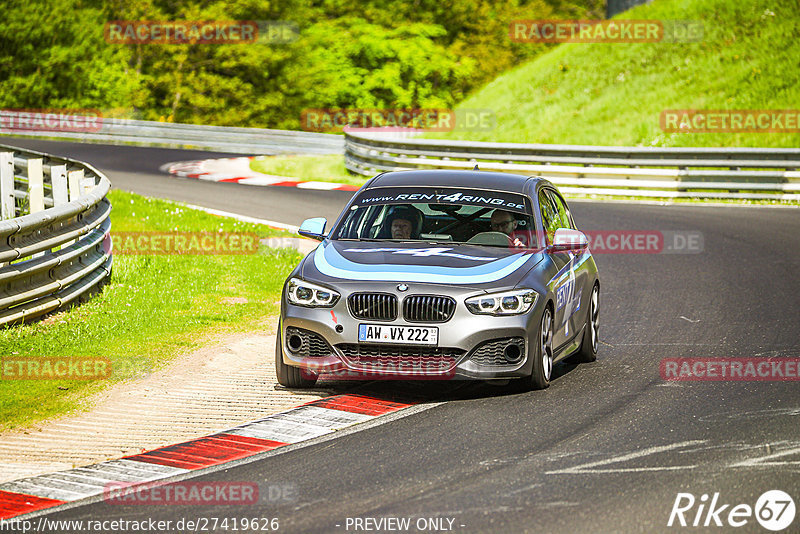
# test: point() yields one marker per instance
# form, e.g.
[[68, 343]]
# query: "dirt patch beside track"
[[229, 381]]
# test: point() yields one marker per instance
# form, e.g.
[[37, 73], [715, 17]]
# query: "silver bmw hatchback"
[[437, 274]]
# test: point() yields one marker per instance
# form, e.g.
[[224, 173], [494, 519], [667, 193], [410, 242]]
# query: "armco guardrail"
[[177, 135], [739, 173], [54, 225]]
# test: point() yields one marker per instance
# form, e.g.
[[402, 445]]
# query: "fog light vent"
[[304, 343], [504, 351]]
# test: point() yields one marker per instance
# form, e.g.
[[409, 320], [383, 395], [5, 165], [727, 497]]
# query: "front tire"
[[288, 376], [542, 367]]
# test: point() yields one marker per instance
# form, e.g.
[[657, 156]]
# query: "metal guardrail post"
[[75, 180], [35, 185], [58, 177]]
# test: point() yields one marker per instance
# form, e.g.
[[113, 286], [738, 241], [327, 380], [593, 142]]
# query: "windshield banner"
[[445, 196]]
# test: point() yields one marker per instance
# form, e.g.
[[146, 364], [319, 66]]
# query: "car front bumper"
[[469, 346]]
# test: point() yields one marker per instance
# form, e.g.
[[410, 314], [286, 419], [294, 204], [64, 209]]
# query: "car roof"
[[498, 181]]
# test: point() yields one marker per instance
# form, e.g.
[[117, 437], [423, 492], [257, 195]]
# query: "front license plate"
[[381, 333]]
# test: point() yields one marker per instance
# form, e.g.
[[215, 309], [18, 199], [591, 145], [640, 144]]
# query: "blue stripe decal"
[[330, 263], [570, 264]]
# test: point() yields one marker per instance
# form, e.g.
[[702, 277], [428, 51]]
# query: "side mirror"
[[313, 228], [566, 239]]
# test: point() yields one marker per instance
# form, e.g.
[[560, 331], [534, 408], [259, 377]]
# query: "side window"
[[550, 217], [349, 226], [561, 209]]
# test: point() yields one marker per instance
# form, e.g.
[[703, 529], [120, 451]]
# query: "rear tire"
[[588, 350], [288, 376]]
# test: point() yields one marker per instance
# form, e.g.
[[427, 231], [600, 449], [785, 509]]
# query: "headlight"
[[310, 295], [505, 303]]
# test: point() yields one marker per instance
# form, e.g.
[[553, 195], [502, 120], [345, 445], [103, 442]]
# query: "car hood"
[[459, 264]]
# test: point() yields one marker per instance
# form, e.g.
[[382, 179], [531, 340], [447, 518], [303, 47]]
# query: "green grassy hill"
[[613, 94]]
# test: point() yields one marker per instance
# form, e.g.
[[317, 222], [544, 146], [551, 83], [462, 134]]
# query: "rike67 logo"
[[774, 510]]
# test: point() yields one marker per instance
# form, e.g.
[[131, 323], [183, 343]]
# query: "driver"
[[405, 222], [401, 228]]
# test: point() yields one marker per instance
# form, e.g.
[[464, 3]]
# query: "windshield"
[[485, 218]]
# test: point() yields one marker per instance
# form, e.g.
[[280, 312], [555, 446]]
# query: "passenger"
[[503, 221]]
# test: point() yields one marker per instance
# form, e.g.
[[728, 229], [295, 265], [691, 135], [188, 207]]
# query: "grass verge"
[[153, 309], [324, 168], [614, 93]]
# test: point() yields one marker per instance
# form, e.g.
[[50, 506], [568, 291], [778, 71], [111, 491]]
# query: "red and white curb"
[[312, 420], [237, 170]]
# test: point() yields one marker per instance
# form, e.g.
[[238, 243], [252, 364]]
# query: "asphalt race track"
[[607, 448], [137, 169]]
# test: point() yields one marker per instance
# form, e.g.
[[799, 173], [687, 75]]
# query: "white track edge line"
[[242, 218]]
